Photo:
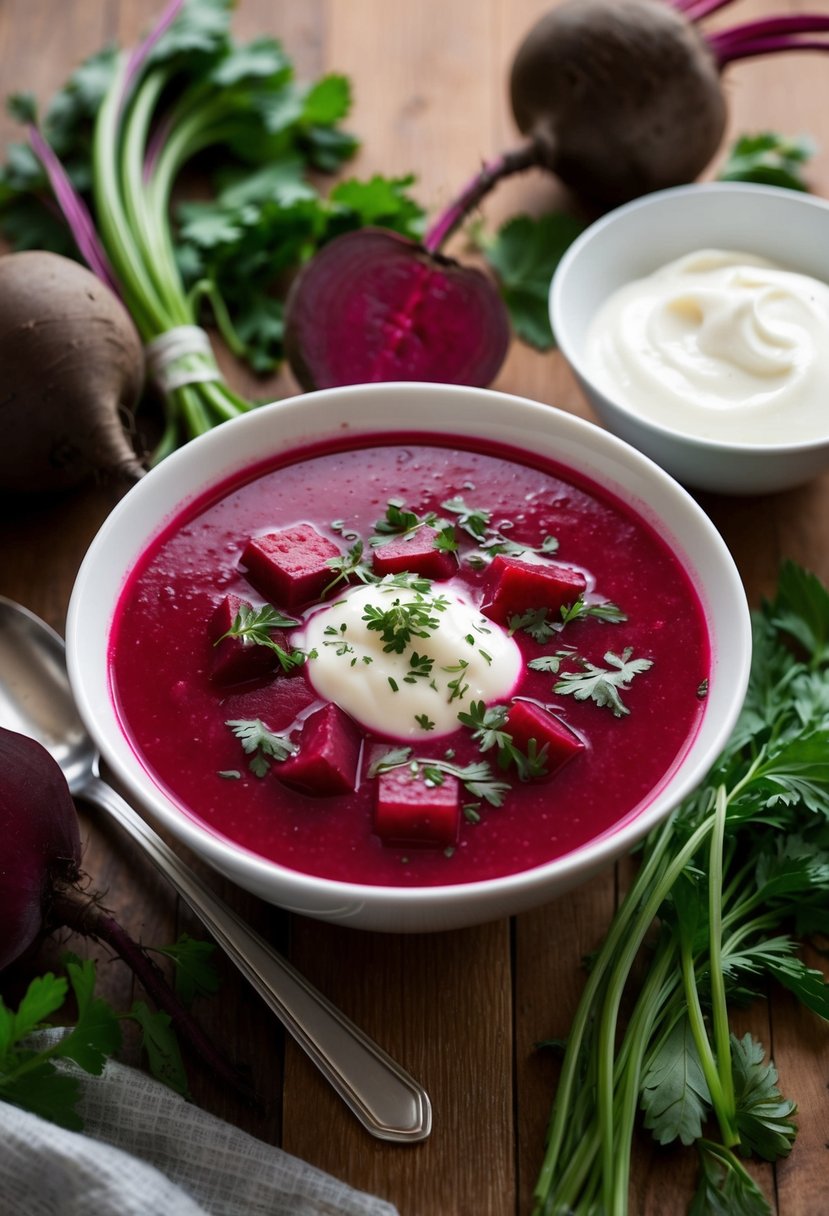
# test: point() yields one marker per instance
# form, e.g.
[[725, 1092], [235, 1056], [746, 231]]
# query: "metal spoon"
[[36, 700]]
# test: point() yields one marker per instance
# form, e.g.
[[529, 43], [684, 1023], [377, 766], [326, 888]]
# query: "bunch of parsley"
[[125, 127], [725, 891]]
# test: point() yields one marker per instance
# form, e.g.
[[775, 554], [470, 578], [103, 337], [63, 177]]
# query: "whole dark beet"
[[620, 97], [40, 846], [72, 363]]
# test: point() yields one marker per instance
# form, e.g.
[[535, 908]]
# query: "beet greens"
[[42, 890], [112, 146]]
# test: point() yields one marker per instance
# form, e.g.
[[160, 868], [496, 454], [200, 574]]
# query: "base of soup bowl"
[[419, 411]]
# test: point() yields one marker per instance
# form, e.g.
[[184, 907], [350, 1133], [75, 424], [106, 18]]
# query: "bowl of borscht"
[[408, 656]]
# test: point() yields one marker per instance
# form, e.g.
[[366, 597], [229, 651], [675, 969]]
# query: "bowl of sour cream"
[[696, 322]]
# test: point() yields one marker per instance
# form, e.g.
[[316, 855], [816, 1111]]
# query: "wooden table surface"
[[461, 1010]]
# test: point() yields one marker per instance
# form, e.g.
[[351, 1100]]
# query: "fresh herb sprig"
[[487, 727], [477, 778], [403, 619], [254, 626], [723, 890], [29, 1076], [603, 685], [261, 743], [542, 625]]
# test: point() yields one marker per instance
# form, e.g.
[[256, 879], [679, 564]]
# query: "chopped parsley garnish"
[[403, 620], [261, 744], [579, 610], [350, 564], [487, 726], [399, 522], [476, 778], [253, 627], [457, 688], [473, 520], [603, 684], [420, 667], [542, 625]]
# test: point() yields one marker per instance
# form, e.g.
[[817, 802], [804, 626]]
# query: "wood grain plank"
[[445, 1014]]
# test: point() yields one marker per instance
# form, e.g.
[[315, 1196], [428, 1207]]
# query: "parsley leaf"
[[674, 1094], [524, 254], [195, 974], [473, 520], [764, 1116], [725, 1187], [487, 726], [159, 1041], [477, 777], [28, 1076], [261, 744], [768, 158], [603, 684], [253, 627]]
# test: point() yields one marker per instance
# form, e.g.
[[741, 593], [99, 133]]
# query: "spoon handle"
[[386, 1100]]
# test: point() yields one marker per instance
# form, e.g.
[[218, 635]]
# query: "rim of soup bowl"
[[515, 422]]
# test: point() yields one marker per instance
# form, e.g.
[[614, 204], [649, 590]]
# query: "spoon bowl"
[[35, 697], [36, 700]]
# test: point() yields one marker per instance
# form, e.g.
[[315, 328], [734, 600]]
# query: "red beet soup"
[[218, 693]]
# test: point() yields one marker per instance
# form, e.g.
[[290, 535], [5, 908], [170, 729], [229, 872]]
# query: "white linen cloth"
[[145, 1151]]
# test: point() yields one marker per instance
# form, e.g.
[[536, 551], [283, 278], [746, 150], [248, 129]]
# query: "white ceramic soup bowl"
[[631, 242], [417, 409]]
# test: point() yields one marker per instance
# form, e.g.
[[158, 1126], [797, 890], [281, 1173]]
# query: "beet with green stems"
[[72, 367], [617, 98], [41, 891]]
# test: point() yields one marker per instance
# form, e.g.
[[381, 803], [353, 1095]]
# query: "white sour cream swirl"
[[721, 345], [465, 657]]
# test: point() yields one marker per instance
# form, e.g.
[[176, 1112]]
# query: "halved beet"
[[373, 306]]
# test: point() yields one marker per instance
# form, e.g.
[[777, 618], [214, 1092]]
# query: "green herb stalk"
[[115, 143], [730, 883]]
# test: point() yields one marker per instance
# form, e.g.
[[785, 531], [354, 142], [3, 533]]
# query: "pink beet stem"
[[698, 10], [74, 211], [768, 35], [86, 917], [768, 46], [140, 54], [525, 157]]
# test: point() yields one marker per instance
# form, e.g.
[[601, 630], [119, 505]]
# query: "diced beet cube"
[[328, 755], [417, 554], [410, 813], [526, 720], [515, 586], [290, 567], [233, 660]]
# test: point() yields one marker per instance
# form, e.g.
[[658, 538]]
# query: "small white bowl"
[[784, 226], [419, 410]]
